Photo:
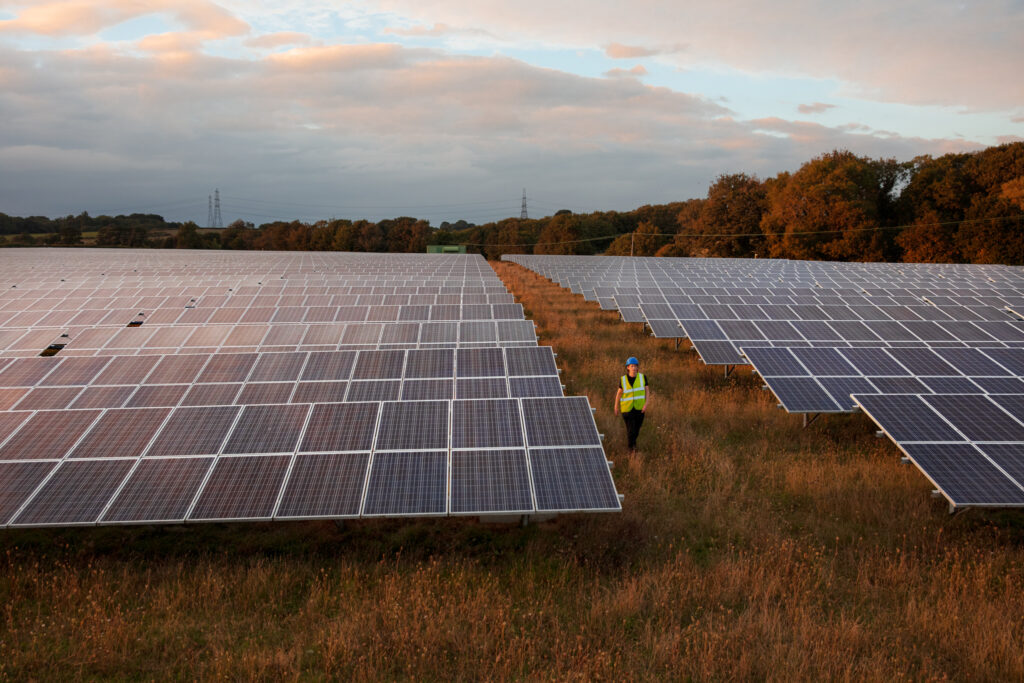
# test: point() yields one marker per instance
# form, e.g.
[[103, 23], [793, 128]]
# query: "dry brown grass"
[[748, 547]]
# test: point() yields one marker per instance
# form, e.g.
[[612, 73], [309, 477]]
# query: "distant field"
[[749, 547]]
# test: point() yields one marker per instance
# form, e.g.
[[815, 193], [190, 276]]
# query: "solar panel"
[[559, 422], [158, 490], [194, 431], [17, 482], [492, 481], [965, 475], [267, 429], [413, 425], [244, 487], [48, 435], [214, 403], [340, 427], [76, 493], [907, 418], [407, 483], [572, 479]]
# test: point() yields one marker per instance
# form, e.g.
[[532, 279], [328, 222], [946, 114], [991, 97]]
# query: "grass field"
[[748, 547]]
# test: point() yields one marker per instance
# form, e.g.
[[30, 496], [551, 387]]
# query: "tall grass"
[[748, 547]]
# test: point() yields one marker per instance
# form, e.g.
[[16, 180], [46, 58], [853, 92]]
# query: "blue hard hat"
[[632, 361]]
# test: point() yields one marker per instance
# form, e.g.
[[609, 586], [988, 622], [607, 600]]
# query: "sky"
[[448, 110]]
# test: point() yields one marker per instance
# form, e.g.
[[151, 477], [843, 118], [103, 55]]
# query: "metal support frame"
[[812, 418], [728, 370], [679, 340]]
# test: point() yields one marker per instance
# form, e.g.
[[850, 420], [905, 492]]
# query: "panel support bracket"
[[728, 370], [812, 418]]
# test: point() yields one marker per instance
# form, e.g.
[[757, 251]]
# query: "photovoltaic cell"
[[907, 418], [17, 482], [530, 360], [376, 365], [406, 483], [48, 435], [977, 418], [194, 431], [564, 421], [159, 490], [319, 392], [427, 389], [481, 388], [490, 482], [76, 493], [430, 363], [267, 429], [340, 427], [534, 387], [965, 475], [489, 362], [157, 395], [123, 433], [420, 425], [374, 390], [243, 487], [328, 365], [324, 485], [572, 479], [486, 424]]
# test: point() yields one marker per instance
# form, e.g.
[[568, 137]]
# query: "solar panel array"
[[431, 398], [934, 354]]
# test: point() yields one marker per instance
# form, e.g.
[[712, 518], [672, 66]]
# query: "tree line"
[[963, 207]]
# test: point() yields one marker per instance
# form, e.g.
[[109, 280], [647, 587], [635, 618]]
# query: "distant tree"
[[188, 236], [70, 229], [831, 209], [729, 222]]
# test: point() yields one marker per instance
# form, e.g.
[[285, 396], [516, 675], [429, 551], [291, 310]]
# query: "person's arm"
[[647, 399], [618, 396]]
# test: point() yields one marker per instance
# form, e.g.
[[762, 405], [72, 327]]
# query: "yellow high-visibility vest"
[[633, 397]]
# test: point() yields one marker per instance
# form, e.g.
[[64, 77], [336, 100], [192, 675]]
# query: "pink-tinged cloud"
[[372, 124], [636, 72], [82, 17], [269, 41], [1017, 119], [915, 52], [1008, 139], [437, 31], [340, 57], [620, 51], [816, 108]]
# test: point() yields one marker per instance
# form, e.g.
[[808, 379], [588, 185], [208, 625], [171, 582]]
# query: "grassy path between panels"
[[748, 547]]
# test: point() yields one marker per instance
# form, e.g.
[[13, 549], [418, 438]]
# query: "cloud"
[[436, 31], [620, 51], [816, 108], [635, 72], [82, 18], [370, 124], [1017, 119], [916, 52], [274, 40]]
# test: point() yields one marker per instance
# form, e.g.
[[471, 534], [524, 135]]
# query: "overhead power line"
[[674, 235]]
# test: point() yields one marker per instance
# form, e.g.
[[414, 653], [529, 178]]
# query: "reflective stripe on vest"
[[633, 397]]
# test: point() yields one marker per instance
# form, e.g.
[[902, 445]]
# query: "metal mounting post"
[[679, 340], [808, 421], [728, 370]]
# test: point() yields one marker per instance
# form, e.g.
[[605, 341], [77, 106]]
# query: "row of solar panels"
[[277, 367], [218, 300], [940, 368], [289, 314], [499, 457], [217, 417], [268, 337]]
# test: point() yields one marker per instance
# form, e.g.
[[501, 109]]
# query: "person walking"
[[632, 399]]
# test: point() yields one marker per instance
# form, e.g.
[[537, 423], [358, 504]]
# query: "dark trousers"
[[633, 419]]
